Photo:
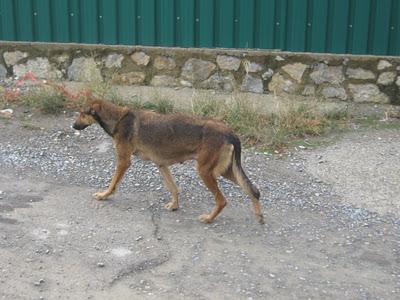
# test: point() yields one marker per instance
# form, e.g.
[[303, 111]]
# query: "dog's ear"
[[95, 108]]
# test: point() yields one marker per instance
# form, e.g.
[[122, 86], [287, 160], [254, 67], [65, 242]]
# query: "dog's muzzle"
[[79, 126]]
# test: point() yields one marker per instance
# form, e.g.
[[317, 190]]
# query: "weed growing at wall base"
[[274, 131], [48, 103], [46, 96]]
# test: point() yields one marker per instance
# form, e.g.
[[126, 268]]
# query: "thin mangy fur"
[[170, 139]]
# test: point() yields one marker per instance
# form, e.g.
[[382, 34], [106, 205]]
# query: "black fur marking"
[[102, 124], [234, 140], [79, 126], [125, 126]]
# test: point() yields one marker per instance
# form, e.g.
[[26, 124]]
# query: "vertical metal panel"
[[89, 21], [380, 32], [187, 23], [196, 23], [360, 19], [108, 22], [339, 26], [7, 21], [246, 24], [224, 26], [296, 25], [280, 22], [146, 22], [206, 23], [350, 21], [394, 36], [266, 24], [42, 21], [308, 26], [127, 28], [60, 21], [166, 23], [74, 21], [24, 20], [319, 25]]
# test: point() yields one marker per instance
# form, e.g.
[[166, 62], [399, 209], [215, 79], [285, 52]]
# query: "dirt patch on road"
[[363, 168]]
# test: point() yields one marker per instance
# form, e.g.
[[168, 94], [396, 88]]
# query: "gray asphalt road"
[[332, 222]]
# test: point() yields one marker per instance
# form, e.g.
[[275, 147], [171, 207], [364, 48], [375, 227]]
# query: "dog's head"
[[87, 116]]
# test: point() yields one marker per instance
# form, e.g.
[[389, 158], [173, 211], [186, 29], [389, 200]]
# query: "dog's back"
[[163, 130], [177, 135]]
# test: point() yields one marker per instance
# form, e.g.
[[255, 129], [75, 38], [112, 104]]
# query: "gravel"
[[87, 158], [318, 238]]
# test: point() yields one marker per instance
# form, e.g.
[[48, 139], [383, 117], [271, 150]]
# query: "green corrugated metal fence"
[[336, 26]]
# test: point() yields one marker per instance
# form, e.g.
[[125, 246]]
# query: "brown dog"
[[170, 139]]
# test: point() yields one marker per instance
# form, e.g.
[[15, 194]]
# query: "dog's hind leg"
[[123, 163], [212, 164], [236, 174], [240, 177], [171, 186], [220, 201]]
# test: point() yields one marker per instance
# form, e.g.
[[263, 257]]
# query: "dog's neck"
[[109, 116]]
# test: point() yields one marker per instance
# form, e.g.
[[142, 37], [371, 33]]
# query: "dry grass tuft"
[[274, 131]]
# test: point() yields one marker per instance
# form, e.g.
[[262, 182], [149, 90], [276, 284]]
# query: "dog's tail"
[[239, 175]]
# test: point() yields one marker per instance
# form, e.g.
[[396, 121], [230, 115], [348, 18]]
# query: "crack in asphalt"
[[155, 220], [141, 266], [151, 263]]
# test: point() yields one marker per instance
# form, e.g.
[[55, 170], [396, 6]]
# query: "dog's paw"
[[171, 205], [205, 219], [260, 219], [101, 195]]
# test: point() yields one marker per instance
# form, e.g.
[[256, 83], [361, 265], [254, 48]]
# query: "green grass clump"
[[161, 105], [48, 102], [51, 104]]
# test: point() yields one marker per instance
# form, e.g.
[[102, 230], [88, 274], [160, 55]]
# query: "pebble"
[[38, 283], [6, 113]]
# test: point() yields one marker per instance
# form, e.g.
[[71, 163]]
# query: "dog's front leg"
[[171, 186], [124, 162]]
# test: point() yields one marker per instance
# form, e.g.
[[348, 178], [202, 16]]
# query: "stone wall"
[[339, 77]]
